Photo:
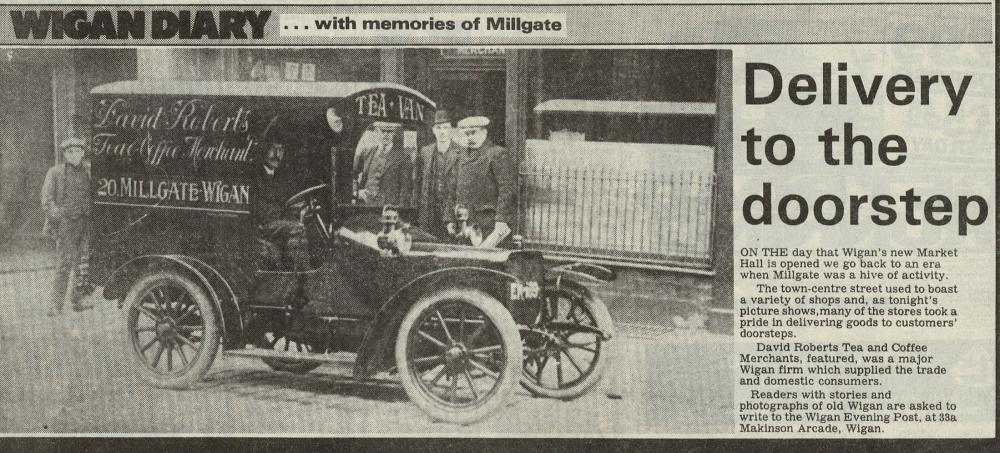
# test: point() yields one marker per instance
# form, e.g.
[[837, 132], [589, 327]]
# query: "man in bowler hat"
[[434, 174]]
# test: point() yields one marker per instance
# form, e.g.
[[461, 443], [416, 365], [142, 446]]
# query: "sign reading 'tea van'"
[[390, 105]]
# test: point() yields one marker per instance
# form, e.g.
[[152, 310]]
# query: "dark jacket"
[[395, 183], [268, 197], [422, 169], [54, 194], [484, 181]]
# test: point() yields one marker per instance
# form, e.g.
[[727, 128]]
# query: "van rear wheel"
[[566, 348], [172, 328]]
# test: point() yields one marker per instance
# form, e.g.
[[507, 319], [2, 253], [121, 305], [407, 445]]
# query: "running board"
[[258, 353]]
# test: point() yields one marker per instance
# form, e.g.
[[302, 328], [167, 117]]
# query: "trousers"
[[71, 244], [290, 236]]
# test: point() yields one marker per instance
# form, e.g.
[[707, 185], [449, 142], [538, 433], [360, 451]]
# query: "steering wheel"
[[302, 198], [308, 204]]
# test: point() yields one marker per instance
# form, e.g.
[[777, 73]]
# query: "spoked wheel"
[[279, 342], [172, 332], [565, 352], [458, 353]]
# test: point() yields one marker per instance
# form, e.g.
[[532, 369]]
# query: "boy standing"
[[66, 204]]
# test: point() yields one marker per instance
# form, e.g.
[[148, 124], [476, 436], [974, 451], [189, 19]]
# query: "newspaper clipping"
[[717, 220]]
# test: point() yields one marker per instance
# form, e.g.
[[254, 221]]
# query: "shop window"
[[619, 159], [681, 81], [309, 65]]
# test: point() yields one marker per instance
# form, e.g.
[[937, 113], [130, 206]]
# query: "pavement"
[[71, 375]]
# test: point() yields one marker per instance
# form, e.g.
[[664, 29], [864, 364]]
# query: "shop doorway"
[[472, 92], [26, 144]]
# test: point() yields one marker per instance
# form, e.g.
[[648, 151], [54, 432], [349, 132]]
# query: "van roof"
[[328, 90]]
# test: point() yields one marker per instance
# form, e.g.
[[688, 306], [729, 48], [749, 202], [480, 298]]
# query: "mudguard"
[[377, 346], [215, 284], [582, 273]]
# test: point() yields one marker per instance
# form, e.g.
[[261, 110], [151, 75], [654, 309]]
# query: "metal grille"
[[640, 216]]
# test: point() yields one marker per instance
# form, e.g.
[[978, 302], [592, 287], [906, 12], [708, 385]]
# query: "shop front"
[[622, 165], [46, 100], [619, 161], [615, 147]]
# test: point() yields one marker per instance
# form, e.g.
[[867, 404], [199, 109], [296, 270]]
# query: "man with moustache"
[[484, 183], [434, 174], [382, 169], [271, 189]]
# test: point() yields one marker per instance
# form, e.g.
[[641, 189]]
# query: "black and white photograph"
[[551, 226], [367, 241]]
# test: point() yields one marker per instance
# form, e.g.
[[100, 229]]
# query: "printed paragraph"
[[844, 289], [834, 388], [796, 383]]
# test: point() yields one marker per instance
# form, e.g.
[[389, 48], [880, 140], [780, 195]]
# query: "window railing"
[[633, 216]]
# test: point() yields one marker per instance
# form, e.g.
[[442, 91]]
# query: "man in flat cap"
[[434, 174], [484, 182], [66, 204], [382, 168]]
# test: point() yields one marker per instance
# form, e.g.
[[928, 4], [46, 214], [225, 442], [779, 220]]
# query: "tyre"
[[458, 353], [565, 354], [282, 343], [172, 328]]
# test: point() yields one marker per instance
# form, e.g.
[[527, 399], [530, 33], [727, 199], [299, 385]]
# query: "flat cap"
[[474, 121], [73, 142], [383, 125]]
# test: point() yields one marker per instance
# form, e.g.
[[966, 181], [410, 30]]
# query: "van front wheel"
[[458, 353]]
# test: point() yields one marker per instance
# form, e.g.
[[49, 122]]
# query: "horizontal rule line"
[[537, 45], [186, 208], [550, 5]]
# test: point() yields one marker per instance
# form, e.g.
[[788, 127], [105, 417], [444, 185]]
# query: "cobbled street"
[[70, 374]]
